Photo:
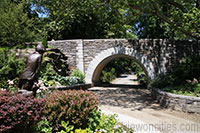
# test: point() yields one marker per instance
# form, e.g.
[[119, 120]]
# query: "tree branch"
[[182, 8], [166, 19], [197, 4], [175, 24]]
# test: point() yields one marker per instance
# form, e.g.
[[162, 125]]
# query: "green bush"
[[108, 76], [119, 66], [51, 78], [98, 123], [17, 26], [73, 106], [105, 124], [181, 79], [68, 81], [77, 73], [47, 74], [10, 66], [76, 111]]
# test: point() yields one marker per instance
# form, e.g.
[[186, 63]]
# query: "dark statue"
[[29, 77], [59, 61]]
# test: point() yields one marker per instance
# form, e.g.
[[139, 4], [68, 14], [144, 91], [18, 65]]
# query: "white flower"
[[38, 91], [10, 82], [103, 130], [40, 83], [2, 89], [43, 88]]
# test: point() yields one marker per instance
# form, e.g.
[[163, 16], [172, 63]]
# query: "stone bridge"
[[156, 56]]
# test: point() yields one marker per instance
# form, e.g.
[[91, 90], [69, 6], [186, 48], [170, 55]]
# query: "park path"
[[125, 97]]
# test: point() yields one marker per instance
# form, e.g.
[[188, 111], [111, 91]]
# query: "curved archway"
[[97, 64]]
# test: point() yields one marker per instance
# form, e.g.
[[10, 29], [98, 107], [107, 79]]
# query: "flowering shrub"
[[71, 105], [12, 85], [19, 113]]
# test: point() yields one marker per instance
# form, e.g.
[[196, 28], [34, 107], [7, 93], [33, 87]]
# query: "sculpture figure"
[[29, 77]]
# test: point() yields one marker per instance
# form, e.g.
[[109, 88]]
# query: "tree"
[[149, 26], [15, 24], [182, 16], [70, 19]]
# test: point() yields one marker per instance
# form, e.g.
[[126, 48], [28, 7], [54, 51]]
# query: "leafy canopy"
[[182, 16], [70, 19], [16, 25]]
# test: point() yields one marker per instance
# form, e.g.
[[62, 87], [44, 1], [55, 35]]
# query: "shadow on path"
[[135, 97]]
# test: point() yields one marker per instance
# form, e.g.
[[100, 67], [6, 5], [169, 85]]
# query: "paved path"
[[136, 102]]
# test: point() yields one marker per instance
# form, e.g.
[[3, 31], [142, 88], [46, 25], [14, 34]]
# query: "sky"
[[41, 15]]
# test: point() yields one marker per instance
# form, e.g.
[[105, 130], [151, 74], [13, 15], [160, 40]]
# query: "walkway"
[[136, 102]]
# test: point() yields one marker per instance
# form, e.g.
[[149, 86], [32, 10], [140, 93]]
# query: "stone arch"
[[97, 64]]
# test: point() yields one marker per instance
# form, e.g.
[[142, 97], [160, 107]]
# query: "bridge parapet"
[[157, 56]]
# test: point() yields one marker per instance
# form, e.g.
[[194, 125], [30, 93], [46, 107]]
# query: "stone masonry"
[[156, 56], [187, 104]]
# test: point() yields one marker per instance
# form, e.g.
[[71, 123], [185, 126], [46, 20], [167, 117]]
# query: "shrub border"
[[188, 104]]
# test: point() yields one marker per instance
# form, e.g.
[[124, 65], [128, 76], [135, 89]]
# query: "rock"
[[25, 92]]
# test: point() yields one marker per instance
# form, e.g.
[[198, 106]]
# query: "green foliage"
[[183, 79], [86, 19], [68, 128], [11, 85], [108, 76], [44, 41], [73, 106], [61, 80], [150, 26], [68, 81], [16, 25], [76, 112], [119, 66], [77, 73], [43, 126], [109, 124], [72, 19], [94, 120], [47, 73], [58, 61], [98, 123], [10, 67], [51, 79], [179, 18]]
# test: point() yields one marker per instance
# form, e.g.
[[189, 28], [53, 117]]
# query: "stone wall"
[[93, 47], [163, 53], [67, 47], [188, 104], [157, 55]]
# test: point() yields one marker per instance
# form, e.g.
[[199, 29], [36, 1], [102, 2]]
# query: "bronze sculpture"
[[29, 77]]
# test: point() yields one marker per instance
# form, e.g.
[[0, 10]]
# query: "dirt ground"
[[124, 96]]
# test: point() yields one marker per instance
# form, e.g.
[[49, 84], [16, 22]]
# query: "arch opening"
[[96, 78], [103, 58]]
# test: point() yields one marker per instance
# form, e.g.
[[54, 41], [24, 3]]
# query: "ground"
[[124, 96]]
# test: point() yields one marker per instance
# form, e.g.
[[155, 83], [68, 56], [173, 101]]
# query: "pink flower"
[[29, 112]]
